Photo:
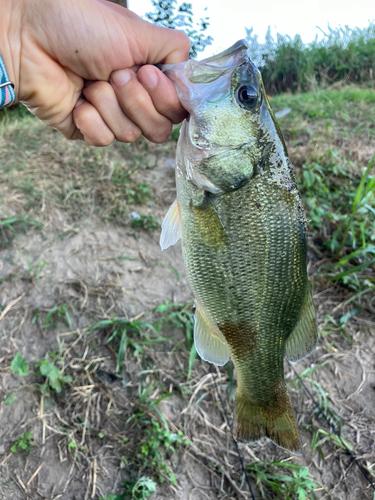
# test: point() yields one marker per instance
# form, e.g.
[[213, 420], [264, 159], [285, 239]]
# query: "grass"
[[45, 174], [338, 190], [58, 314], [329, 417], [34, 270], [10, 226], [124, 333], [14, 113], [178, 315]]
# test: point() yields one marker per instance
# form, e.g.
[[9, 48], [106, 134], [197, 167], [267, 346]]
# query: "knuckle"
[[89, 123], [161, 134], [82, 115], [97, 91], [103, 140], [136, 102], [129, 135], [184, 42]]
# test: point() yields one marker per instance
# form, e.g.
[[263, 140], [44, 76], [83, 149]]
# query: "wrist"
[[10, 41]]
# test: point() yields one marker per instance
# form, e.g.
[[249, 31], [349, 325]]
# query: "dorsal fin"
[[171, 227], [304, 336], [208, 345]]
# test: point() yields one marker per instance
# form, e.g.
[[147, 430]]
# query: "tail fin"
[[276, 422]]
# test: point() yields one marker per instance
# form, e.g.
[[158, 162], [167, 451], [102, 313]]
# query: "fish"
[[243, 235]]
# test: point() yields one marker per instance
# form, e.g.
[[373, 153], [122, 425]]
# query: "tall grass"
[[342, 54]]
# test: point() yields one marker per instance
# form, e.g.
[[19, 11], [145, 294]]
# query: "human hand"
[[56, 51]]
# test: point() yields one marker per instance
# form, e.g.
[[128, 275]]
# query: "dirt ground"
[[88, 257]]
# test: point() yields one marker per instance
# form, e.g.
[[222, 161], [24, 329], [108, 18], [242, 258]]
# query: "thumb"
[[146, 42], [155, 44]]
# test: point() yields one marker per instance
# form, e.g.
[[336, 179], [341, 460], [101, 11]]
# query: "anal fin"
[[207, 343], [171, 227], [304, 335]]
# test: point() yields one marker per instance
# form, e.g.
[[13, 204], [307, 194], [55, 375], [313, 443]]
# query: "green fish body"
[[243, 234]]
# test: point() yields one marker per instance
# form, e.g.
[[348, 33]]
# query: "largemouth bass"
[[243, 233]]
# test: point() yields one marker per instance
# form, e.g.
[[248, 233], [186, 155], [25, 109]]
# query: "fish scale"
[[243, 234]]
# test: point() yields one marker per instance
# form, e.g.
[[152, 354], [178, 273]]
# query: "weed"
[[324, 401], [133, 193], [19, 365], [158, 444], [54, 377], [24, 443], [153, 451], [340, 203], [141, 489], [286, 479], [152, 454], [10, 399], [330, 109], [146, 222]]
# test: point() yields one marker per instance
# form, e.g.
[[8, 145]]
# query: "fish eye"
[[247, 96]]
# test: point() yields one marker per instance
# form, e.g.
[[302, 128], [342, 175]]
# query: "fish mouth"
[[229, 58], [216, 70], [226, 60]]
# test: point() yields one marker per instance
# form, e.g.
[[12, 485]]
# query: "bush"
[[287, 64]]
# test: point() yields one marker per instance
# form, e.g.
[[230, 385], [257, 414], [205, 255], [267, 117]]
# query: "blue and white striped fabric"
[[7, 94]]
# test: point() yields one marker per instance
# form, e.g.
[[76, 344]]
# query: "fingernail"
[[79, 102], [149, 79], [120, 77]]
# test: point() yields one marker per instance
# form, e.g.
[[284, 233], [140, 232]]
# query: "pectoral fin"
[[171, 227], [304, 336], [208, 345]]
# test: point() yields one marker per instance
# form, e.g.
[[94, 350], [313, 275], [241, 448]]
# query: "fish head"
[[230, 120]]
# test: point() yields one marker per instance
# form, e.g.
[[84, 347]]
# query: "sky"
[[228, 18]]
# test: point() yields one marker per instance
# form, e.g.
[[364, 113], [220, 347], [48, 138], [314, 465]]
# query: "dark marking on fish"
[[241, 337], [209, 225]]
